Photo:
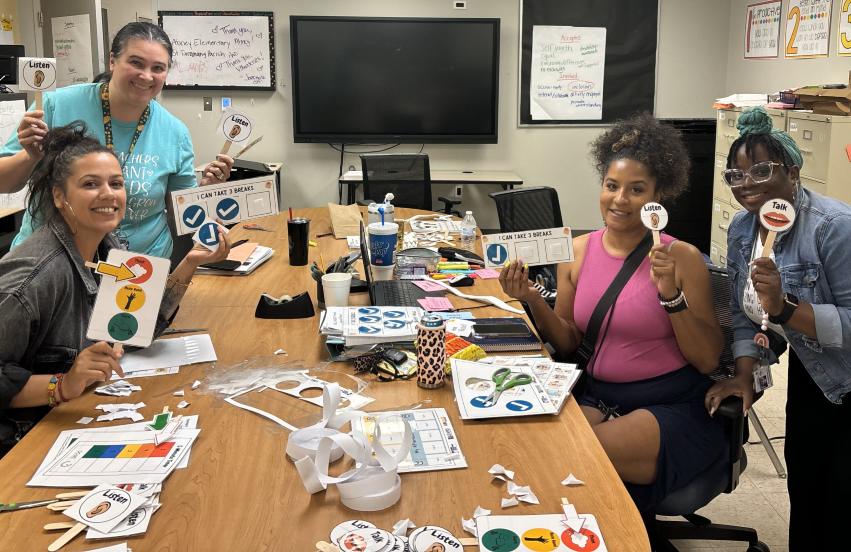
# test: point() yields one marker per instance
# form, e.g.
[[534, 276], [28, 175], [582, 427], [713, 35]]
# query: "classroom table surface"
[[241, 493]]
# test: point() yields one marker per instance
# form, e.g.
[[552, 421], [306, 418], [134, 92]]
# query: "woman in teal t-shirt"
[[153, 146]]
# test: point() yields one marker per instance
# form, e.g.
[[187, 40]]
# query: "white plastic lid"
[[469, 212]]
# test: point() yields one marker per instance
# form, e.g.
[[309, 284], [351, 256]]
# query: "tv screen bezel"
[[345, 138]]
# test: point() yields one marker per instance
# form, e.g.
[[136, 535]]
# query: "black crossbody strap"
[[630, 265]]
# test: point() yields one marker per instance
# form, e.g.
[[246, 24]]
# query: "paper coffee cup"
[[382, 243], [336, 287], [382, 272]]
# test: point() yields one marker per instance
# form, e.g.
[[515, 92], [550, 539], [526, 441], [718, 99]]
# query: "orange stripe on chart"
[[145, 451]]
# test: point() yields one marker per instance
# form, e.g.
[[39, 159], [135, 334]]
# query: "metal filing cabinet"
[[823, 140], [724, 204]]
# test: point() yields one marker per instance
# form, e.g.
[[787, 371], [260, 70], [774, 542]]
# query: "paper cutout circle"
[[518, 406], [433, 539], [777, 215], [348, 527], [99, 509], [540, 540], [39, 74], [122, 326], [193, 216], [227, 208], [497, 253], [500, 540], [130, 298], [209, 234], [654, 216], [593, 542], [237, 128], [481, 402], [364, 540], [143, 263]]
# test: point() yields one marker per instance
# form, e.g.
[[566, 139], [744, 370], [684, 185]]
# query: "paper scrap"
[[106, 417], [179, 393], [487, 274], [469, 525], [280, 352], [481, 512], [400, 528], [529, 497], [571, 480], [435, 304], [84, 420], [427, 285], [461, 328], [353, 242], [512, 487], [119, 407], [500, 477], [182, 404], [520, 491], [196, 385], [499, 470], [509, 502]]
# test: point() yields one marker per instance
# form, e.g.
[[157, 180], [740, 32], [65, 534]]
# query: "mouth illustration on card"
[[777, 220]]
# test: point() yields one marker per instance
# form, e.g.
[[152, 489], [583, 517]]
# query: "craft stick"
[[769, 244], [564, 501], [165, 410], [62, 525], [60, 506], [67, 537], [117, 347], [90, 264], [656, 240], [323, 546], [38, 105], [75, 494], [469, 542], [226, 147]]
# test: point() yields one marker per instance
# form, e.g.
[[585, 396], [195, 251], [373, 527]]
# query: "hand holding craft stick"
[[235, 126], [775, 215]]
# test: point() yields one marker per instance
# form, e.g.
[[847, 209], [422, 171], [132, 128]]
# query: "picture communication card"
[[38, 74], [236, 126], [473, 383], [535, 247], [128, 301], [230, 201], [545, 533], [97, 458], [105, 507], [557, 378], [435, 445]]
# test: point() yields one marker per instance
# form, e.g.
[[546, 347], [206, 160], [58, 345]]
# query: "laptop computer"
[[389, 293]]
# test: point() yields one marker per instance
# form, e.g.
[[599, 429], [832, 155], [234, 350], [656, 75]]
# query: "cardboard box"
[[826, 101]]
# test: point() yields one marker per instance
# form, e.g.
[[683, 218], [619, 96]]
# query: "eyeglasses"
[[761, 172]]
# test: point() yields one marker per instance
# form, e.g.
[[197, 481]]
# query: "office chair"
[[723, 477], [405, 175]]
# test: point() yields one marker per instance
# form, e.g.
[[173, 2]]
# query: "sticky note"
[[435, 304], [426, 285], [487, 274]]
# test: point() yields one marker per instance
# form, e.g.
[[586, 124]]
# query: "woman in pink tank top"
[[651, 360]]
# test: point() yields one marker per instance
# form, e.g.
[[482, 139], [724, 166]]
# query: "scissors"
[[24, 505], [505, 380], [256, 226]]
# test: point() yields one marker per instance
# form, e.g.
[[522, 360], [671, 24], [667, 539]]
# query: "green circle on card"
[[500, 540], [122, 326]]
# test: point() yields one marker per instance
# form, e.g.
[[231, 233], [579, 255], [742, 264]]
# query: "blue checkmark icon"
[[193, 216], [209, 233], [227, 208]]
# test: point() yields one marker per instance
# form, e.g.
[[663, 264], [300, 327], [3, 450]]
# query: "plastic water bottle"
[[468, 232]]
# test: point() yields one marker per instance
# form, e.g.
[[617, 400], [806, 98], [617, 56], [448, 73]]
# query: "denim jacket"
[[46, 299], [814, 260]]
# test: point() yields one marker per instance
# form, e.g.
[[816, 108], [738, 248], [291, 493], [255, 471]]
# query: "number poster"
[[762, 30], [807, 28]]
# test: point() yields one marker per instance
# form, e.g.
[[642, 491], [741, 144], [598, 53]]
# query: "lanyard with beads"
[[107, 122]]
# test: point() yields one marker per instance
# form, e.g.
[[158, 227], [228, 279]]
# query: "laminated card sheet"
[[537, 533], [557, 378], [534, 247], [435, 445], [473, 384], [230, 201]]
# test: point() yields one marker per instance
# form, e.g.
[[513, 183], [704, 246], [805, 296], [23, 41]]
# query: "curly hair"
[[656, 145], [62, 146]]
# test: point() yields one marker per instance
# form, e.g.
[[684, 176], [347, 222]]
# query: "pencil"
[[321, 260]]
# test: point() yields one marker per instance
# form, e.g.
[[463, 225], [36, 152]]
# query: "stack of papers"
[[557, 378], [741, 100], [258, 257], [164, 354], [367, 325]]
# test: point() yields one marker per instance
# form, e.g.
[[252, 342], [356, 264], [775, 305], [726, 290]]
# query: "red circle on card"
[[144, 263], [591, 544]]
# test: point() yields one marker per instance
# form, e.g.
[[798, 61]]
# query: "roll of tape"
[[378, 501], [370, 481], [304, 443]]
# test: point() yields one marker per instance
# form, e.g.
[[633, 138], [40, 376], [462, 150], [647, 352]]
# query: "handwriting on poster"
[[807, 28]]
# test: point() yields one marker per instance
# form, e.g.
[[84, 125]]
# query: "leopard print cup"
[[431, 352]]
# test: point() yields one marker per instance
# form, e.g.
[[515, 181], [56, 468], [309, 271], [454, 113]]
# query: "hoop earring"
[[76, 222], [797, 188]]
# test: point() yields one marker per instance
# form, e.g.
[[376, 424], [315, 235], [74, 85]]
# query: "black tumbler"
[[298, 231]]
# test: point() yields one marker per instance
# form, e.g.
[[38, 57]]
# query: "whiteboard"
[[213, 50]]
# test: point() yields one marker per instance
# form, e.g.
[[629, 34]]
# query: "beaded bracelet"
[[52, 391], [59, 388]]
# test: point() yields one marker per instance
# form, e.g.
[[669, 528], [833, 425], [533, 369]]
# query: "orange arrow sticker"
[[120, 273]]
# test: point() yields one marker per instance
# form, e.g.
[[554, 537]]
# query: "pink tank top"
[[641, 343]]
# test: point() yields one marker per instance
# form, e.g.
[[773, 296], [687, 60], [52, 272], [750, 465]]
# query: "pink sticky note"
[[428, 285], [435, 304], [487, 274]]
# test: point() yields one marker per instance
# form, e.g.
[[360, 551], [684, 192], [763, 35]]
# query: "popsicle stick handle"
[[60, 506], [60, 526], [469, 542], [656, 239], [769, 244], [165, 410], [75, 494], [225, 148], [117, 347], [38, 100], [90, 264], [323, 546], [66, 538]]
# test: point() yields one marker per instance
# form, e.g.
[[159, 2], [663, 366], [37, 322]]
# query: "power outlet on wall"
[[459, 4], [458, 190], [208, 104]]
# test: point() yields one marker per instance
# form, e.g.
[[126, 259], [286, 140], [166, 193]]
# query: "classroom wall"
[[772, 75], [9, 9]]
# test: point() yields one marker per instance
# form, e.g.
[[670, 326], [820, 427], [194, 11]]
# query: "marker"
[[312, 243]]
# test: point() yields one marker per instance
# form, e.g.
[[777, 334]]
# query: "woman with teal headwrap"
[[804, 285]]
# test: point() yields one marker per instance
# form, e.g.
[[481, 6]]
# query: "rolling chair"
[[405, 175], [723, 476]]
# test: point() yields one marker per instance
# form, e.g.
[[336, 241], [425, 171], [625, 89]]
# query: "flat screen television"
[[360, 80]]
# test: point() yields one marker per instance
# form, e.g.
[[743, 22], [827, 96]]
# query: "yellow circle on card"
[[540, 540], [130, 298]]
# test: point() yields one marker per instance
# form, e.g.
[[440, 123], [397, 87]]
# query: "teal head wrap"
[[757, 121]]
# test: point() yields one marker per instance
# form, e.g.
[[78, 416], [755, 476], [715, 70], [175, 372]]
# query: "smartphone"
[[501, 330]]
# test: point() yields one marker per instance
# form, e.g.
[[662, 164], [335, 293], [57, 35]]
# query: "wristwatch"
[[790, 303]]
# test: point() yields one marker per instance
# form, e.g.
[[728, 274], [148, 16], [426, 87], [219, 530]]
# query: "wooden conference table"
[[240, 493]]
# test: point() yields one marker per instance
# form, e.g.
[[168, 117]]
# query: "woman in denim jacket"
[[805, 287], [46, 291]]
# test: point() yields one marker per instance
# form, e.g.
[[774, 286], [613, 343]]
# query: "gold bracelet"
[[176, 284]]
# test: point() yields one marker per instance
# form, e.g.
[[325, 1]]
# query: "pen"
[[240, 242], [323, 235]]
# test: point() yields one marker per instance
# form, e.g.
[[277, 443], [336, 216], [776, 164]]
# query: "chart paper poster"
[[230, 201], [807, 28], [762, 30], [72, 48], [568, 65], [845, 28]]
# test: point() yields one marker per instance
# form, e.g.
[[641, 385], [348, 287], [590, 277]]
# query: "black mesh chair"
[[723, 476], [405, 175]]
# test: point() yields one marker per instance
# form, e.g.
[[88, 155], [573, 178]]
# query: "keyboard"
[[394, 293]]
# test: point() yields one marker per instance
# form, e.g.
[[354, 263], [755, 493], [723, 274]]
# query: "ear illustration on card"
[[98, 510]]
